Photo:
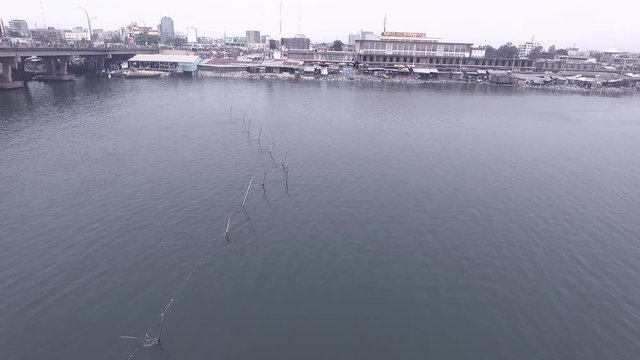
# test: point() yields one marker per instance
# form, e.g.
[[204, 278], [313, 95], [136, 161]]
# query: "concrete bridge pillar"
[[57, 68], [100, 64], [6, 76]]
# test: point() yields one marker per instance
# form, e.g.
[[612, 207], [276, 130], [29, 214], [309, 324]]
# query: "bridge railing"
[[4, 45]]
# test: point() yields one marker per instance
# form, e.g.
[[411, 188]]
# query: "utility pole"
[[89, 20]]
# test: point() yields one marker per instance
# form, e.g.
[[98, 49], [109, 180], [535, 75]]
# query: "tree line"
[[508, 51]]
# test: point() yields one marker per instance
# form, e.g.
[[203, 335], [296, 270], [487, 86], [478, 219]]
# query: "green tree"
[[536, 53], [13, 33], [489, 51], [552, 49], [561, 52], [506, 51], [177, 41], [146, 39], [115, 40], [337, 45]]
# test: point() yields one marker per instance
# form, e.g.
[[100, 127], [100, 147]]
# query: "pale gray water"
[[421, 222]]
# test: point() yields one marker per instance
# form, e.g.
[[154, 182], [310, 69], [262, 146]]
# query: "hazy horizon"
[[586, 24]]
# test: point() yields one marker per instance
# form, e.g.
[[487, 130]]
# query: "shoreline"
[[368, 79]]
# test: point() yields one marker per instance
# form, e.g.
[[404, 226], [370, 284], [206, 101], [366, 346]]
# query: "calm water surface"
[[419, 222]]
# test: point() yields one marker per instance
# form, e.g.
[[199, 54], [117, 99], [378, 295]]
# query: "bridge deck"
[[8, 51]]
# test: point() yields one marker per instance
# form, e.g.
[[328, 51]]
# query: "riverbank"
[[565, 89]]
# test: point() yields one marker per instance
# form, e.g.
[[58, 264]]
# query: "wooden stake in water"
[[286, 179], [244, 201], [226, 231], [264, 178], [271, 147], [243, 116], [249, 127], [284, 161], [259, 134]]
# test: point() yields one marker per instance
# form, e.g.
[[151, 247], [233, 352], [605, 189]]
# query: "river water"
[[420, 222]]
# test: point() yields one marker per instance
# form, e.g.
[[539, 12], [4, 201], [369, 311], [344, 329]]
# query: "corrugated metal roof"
[[425, 71], [191, 59]]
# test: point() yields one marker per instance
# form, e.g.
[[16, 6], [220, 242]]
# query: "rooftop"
[[190, 59]]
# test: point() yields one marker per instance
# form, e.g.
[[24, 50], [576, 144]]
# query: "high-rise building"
[[2, 30], [525, 49], [253, 36], [19, 25], [192, 35], [166, 28]]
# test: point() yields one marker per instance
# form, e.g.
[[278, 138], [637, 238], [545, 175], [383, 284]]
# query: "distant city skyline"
[[587, 24]]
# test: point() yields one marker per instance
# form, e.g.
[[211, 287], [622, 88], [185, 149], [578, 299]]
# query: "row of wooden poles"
[[148, 341]]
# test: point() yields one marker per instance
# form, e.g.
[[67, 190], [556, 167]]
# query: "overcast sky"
[[590, 24]]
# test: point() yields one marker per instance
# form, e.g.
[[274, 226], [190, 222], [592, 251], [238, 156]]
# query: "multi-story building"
[[165, 28], [525, 49], [19, 26], [48, 35], [192, 35], [296, 43], [418, 51], [407, 48], [253, 36]]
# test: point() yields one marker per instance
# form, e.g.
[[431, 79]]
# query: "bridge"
[[57, 59]]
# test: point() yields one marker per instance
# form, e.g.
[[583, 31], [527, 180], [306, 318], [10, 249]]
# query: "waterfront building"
[[525, 49], [566, 63], [192, 35], [394, 48], [18, 25], [620, 60], [299, 42], [253, 36], [321, 57], [161, 62], [165, 28]]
